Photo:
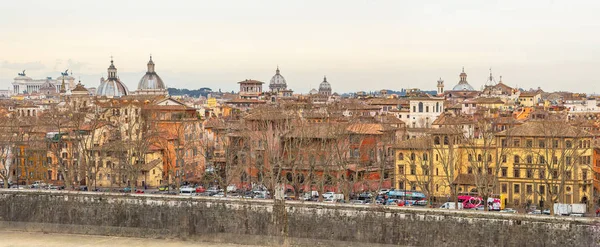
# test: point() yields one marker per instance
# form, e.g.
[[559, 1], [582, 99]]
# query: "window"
[[542, 189], [529, 189], [517, 189], [437, 173], [504, 171], [504, 188], [470, 170], [413, 170], [542, 159], [412, 156], [529, 173], [569, 144], [516, 143], [424, 156], [516, 173], [529, 159], [437, 157], [554, 174], [401, 169], [517, 159], [555, 143], [420, 106], [436, 140], [503, 158], [529, 143], [479, 157], [503, 143], [470, 157], [541, 143], [542, 174], [400, 156], [584, 174], [568, 174], [568, 160], [490, 171], [554, 160], [489, 158], [426, 108]]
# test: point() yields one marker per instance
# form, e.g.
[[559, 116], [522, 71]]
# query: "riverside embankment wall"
[[265, 222]]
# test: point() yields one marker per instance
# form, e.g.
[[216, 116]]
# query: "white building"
[[25, 84], [423, 111]]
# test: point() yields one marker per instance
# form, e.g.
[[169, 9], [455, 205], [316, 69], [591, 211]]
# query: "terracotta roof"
[[366, 129], [148, 166], [545, 129]]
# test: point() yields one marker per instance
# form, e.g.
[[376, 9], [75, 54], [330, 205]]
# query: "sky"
[[359, 45]]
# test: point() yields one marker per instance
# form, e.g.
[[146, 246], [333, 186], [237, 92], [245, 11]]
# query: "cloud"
[[22, 66], [70, 64]]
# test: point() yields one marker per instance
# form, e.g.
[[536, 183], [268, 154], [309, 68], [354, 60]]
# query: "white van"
[[187, 191], [451, 205]]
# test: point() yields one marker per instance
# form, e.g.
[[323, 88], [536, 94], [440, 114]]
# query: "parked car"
[[508, 210], [138, 191], [536, 212], [200, 189], [125, 190], [163, 188], [357, 202]]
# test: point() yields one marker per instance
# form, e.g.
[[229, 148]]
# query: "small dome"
[[112, 87], [277, 82], [463, 87], [313, 91], [151, 80]]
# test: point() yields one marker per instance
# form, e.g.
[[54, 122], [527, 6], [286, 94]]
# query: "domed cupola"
[[112, 86], [463, 85], [277, 82], [151, 83], [325, 87]]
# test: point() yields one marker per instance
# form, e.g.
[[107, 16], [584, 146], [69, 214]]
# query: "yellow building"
[[529, 164]]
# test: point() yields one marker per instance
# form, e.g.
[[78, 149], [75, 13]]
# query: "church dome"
[[325, 87], [151, 80], [463, 85], [313, 91], [277, 82], [112, 86]]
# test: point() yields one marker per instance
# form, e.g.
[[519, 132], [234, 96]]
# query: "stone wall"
[[293, 223]]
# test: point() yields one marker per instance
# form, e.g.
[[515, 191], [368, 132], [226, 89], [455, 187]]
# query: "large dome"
[[277, 82], [151, 80], [324, 85], [112, 86]]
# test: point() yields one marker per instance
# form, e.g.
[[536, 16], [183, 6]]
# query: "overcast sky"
[[359, 45]]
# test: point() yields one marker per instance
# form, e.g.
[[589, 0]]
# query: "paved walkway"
[[33, 239]]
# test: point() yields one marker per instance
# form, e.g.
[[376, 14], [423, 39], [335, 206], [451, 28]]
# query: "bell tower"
[[440, 86]]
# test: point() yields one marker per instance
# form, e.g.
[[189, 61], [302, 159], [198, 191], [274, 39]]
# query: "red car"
[[200, 189]]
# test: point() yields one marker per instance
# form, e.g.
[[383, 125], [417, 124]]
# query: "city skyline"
[[359, 46]]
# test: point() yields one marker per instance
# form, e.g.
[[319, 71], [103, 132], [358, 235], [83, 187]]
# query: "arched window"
[[446, 141], [437, 106], [424, 156], [529, 159], [542, 159], [470, 157], [517, 159], [436, 140], [420, 106], [400, 156], [412, 156], [489, 158], [479, 157]]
